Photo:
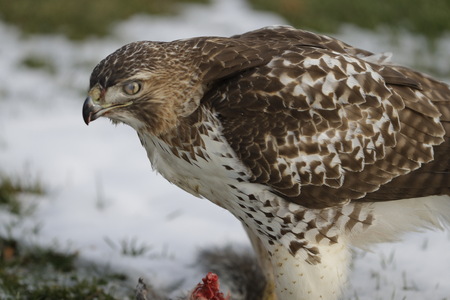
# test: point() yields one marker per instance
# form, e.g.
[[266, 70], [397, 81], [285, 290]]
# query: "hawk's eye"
[[131, 88]]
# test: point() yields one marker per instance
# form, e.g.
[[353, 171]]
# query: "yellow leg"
[[269, 291]]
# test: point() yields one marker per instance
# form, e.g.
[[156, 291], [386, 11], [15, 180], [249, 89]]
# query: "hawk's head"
[[147, 85], [151, 85]]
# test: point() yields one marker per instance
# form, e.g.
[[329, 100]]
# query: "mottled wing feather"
[[291, 37], [432, 178], [321, 126], [224, 57], [228, 56]]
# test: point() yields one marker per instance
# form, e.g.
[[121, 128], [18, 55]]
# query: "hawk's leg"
[[265, 263], [303, 275]]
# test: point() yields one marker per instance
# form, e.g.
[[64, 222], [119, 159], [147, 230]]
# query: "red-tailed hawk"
[[306, 140]]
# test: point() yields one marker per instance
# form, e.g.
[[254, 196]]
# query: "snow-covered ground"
[[101, 190]]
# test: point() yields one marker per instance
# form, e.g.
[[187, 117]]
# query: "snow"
[[101, 190]]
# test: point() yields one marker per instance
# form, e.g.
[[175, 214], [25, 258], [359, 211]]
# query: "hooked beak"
[[91, 111]]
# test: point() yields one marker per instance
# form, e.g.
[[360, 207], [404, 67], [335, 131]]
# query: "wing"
[[321, 125], [432, 178]]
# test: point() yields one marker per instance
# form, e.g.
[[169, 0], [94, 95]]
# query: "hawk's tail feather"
[[391, 219]]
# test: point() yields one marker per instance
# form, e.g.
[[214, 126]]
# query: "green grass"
[[79, 19], [35, 62], [129, 246], [35, 272], [30, 271], [12, 188], [49, 275], [430, 18], [84, 18]]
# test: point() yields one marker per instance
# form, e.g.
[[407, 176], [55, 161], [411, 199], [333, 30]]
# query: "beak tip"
[[87, 110]]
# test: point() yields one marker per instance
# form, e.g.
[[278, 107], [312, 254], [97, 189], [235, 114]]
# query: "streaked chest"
[[204, 164]]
